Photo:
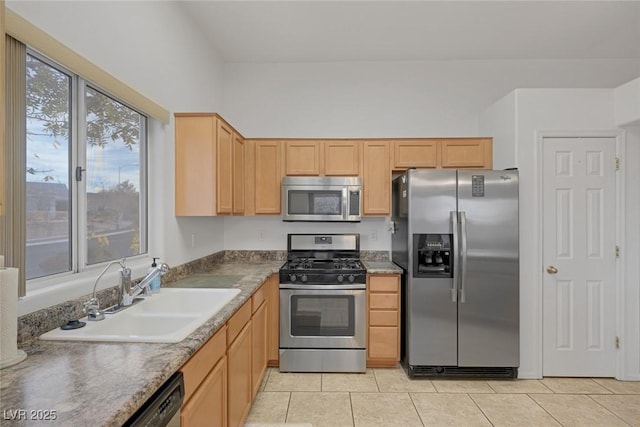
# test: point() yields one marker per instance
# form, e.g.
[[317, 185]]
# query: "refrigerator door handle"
[[453, 215], [463, 255]]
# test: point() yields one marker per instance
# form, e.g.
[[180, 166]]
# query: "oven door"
[[322, 316]]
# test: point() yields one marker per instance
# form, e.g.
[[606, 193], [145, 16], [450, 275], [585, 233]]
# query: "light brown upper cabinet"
[[415, 153], [467, 153], [239, 160], [376, 178], [302, 157], [268, 173], [311, 157], [442, 153], [218, 172], [224, 166], [342, 158], [203, 165]]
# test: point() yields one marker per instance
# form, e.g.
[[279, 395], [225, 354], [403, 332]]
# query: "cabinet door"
[[302, 158], [467, 153], [195, 161], [259, 346], [208, 405], [249, 177], [383, 343], [224, 166], [239, 392], [376, 178], [273, 318], [420, 153], [238, 174], [268, 177], [342, 158]]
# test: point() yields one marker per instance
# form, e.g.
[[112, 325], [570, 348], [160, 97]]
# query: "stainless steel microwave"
[[321, 198]]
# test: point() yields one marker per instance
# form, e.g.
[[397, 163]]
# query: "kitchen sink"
[[166, 317]]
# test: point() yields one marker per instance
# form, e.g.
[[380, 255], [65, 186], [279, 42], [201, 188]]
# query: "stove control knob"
[[303, 278], [352, 278], [293, 277], [340, 278]]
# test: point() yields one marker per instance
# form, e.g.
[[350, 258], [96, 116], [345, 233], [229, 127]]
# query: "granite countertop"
[[103, 384], [381, 267]]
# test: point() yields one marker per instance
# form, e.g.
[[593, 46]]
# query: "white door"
[[579, 287]]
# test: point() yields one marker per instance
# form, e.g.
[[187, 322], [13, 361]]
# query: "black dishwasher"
[[163, 408]]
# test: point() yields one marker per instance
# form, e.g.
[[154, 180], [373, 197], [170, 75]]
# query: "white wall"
[[499, 121], [538, 111], [577, 111], [154, 48], [269, 232], [630, 344], [399, 99], [627, 103]]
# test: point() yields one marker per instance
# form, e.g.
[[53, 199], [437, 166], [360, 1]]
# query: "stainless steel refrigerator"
[[455, 234]]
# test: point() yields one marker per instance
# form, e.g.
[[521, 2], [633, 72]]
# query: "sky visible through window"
[[108, 146]]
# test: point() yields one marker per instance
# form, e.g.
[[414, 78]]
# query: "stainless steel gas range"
[[322, 304]]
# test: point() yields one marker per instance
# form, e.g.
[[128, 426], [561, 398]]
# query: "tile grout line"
[[375, 378], [543, 408], [546, 386], [416, 409], [604, 386], [605, 408], [288, 406], [480, 409], [353, 416]]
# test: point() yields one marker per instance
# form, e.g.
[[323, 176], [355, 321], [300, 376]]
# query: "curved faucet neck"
[[122, 265]]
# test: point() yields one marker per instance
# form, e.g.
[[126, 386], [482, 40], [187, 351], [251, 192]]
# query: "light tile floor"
[[386, 397]]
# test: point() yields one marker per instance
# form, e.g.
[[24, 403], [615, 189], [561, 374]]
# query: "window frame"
[[78, 232]]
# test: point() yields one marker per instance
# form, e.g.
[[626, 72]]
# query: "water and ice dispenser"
[[432, 254]]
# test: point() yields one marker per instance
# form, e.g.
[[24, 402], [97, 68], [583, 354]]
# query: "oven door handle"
[[324, 287]]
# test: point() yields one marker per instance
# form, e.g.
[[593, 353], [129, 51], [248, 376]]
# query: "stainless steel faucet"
[[130, 293], [92, 307], [126, 293]]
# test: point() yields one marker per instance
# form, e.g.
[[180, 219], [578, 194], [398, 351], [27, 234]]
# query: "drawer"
[[200, 364], [383, 301], [384, 283], [258, 298], [237, 321], [383, 318], [383, 343]]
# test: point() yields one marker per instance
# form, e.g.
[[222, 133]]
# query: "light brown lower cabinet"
[[222, 378], [259, 346], [273, 320], [208, 405], [239, 392], [205, 384], [383, 301], [239, 365]]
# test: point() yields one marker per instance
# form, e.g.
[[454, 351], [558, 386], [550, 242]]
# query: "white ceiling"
[[327, 31]]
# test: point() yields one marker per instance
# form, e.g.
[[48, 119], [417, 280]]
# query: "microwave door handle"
[[285, 202], [345, 204]]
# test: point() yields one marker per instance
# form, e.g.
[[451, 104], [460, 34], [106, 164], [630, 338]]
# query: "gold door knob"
[[552, 270]]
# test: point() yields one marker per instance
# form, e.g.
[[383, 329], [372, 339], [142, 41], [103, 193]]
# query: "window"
[[86, 173]]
